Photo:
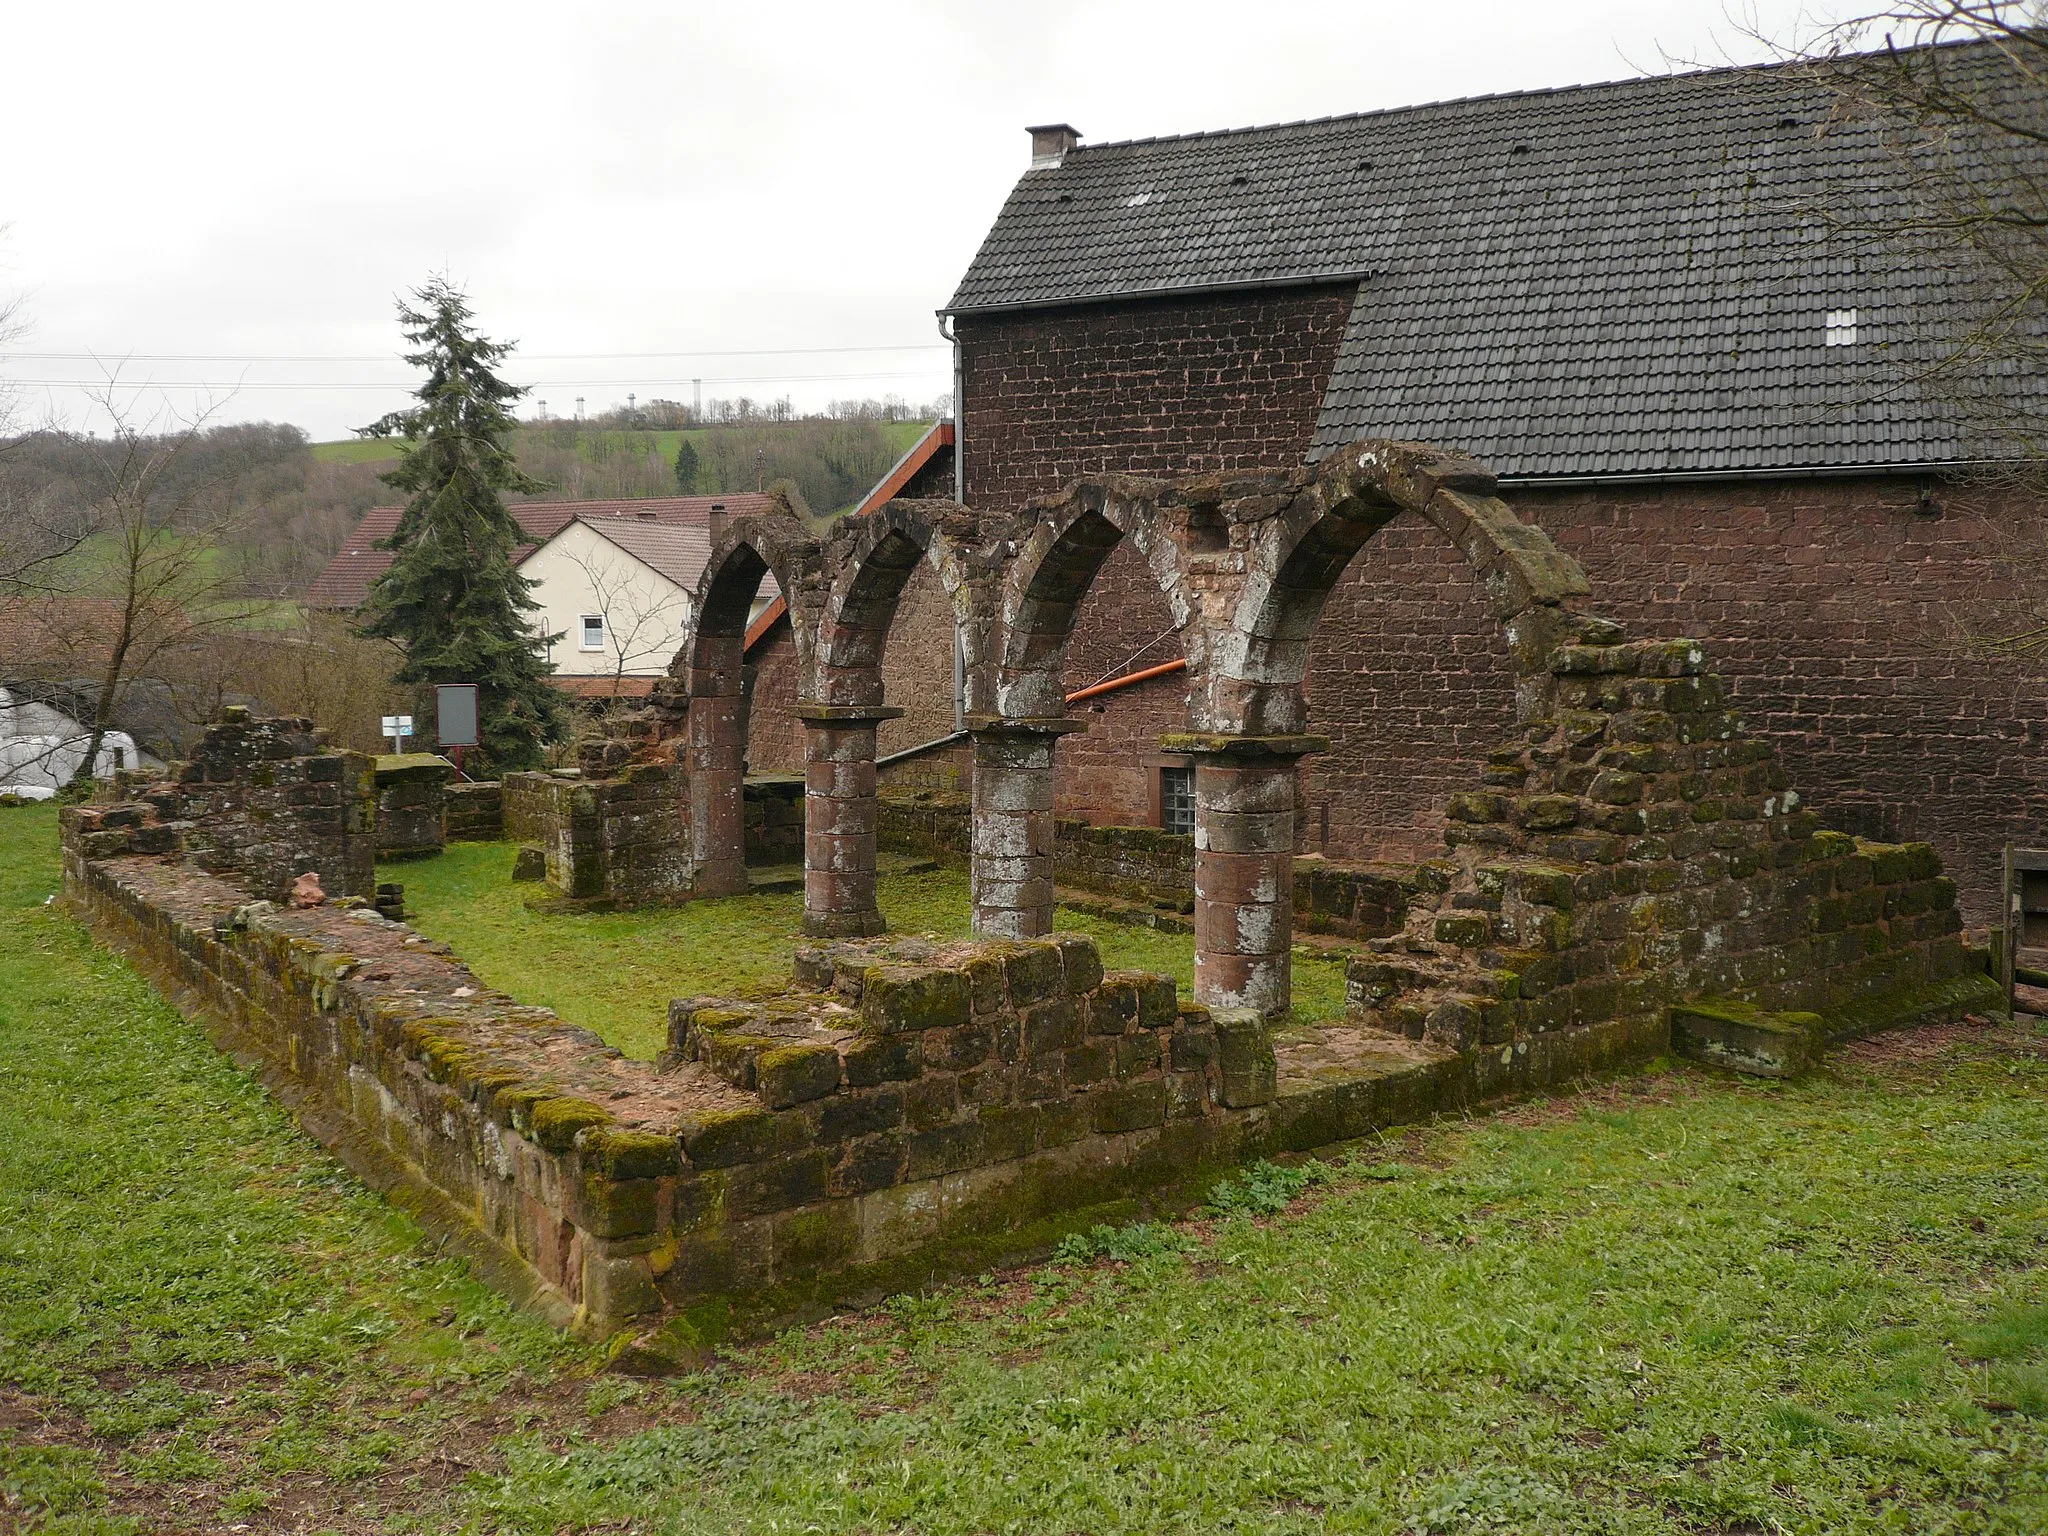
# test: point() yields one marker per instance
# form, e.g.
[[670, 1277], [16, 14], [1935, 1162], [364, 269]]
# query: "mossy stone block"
[[729, 1138], [796, 1074], [1035, 972], [619, 1153], [898, 1000], [1082, 962], [1468, 930], [1745, 1038], [884, 1059], [556, 1121], [1247, 1072]]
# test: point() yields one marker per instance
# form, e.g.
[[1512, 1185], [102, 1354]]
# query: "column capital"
[[813, 713], [1033, 725], [1226, 745]]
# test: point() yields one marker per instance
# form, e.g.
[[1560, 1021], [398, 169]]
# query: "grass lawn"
[[1678, 1304], [615, 973], [358, 450]]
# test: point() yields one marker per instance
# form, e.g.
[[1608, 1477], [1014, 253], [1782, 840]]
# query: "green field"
[[1678, 1304], [358, 450], [615, 972]]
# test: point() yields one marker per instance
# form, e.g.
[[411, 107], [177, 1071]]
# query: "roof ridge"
[[1768, 66]]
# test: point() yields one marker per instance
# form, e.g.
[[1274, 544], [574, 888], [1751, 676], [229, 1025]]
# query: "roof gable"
[[344, 582]]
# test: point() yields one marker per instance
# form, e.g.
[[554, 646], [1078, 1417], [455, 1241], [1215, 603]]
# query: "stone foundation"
[[474, 812], [617, 841], [411, 804]]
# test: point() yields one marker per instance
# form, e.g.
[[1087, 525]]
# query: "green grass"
[[358, 450], [615, 972], [1679, 1305]]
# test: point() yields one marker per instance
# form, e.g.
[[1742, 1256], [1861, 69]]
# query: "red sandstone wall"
[[1156, 386], [1124, 625], [1827, 605], [917, 666], [1409, 678], [775, 737]]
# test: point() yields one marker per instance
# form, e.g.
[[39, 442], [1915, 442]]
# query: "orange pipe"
[[1098, 689]]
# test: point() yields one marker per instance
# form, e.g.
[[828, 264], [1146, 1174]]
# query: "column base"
[[844, 925]]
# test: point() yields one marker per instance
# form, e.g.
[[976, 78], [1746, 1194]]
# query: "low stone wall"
[[474, 812], [926, 821], [617, 841], [411, 804], [912, 1112], [1156, 868], [478, 1114]]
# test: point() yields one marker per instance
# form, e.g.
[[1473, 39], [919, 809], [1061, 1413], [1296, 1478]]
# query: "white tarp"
[[42, 747]]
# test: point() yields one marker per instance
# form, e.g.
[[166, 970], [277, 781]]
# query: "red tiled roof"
[[41, 635], [345, 581], [678, 551]]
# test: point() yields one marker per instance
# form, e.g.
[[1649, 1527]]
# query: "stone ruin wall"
[[262, 800], [1635, 848]]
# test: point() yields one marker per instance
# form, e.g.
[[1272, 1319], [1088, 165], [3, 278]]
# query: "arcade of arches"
[[1244, 565]]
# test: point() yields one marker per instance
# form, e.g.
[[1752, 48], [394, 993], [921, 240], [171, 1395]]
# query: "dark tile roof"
[[1606, 279], [345, 580]]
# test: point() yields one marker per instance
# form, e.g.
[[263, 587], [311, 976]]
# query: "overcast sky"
[[762, 196]]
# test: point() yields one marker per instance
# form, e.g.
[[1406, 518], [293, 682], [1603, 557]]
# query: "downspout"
[[959, 495]]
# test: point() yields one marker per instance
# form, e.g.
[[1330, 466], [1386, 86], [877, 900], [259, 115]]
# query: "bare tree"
[[160, 573], [1954, 94], [644, 613]]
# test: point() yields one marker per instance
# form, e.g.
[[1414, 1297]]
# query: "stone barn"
[[1617, 296]]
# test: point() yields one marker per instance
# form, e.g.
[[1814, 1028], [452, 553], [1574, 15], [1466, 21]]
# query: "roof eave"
[[1165, 291]]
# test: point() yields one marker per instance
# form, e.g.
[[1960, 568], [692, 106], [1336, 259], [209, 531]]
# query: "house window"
[[593, 632], [1177, 800]]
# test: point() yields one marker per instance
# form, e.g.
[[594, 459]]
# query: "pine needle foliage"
[[452, 599]]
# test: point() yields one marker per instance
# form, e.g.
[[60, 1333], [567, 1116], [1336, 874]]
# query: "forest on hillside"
[[279, 505]]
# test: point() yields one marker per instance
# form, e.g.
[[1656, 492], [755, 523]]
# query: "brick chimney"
[[1050, 143], [718, 520]]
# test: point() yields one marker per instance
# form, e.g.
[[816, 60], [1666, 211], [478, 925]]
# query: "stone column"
[[839, 818], [1244, 865], [1012, 824], [718, 770]]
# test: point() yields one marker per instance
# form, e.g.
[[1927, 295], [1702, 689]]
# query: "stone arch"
[[872, 563], [1254, 684], [711, 664], [1056, 563]]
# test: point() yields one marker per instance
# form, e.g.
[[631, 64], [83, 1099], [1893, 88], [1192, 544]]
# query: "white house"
[[613, 579], [615, 595]]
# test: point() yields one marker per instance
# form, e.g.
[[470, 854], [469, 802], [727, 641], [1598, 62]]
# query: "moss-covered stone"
[[796, 1074], [556, 1121], [904, 999], [727, 1138], [1247, 1073], [618, 1153]]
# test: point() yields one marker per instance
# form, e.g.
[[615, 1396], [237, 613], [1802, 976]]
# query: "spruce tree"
[[686, 468], [452, 600]]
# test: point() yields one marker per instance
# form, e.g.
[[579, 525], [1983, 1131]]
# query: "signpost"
[[455, 718], [398, 727]]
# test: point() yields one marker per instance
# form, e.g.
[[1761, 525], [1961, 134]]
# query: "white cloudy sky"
[[221, 201]]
